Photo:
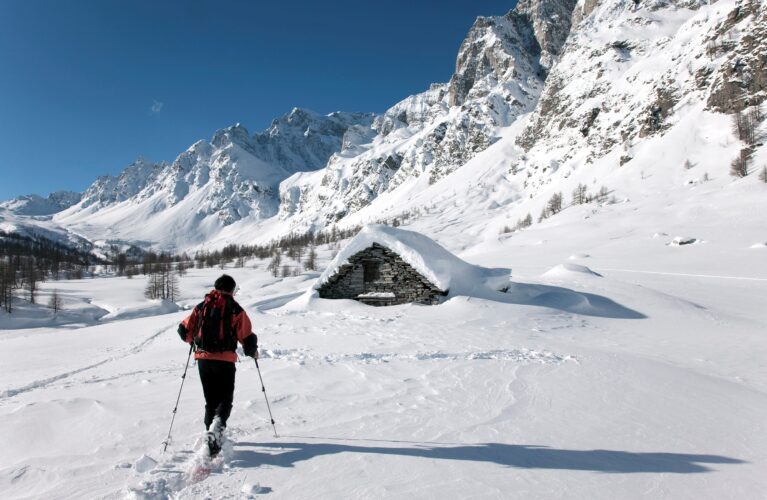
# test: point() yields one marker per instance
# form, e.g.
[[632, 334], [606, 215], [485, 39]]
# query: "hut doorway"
[[371, 272]]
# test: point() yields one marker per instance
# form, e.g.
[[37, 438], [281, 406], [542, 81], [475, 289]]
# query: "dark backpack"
[[215, 333]]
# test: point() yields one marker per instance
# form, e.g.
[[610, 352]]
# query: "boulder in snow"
[[683, 240]]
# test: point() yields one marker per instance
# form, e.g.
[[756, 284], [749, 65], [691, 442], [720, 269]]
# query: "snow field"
[[570, 385]]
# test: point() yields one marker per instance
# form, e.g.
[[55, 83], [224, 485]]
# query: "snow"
[[443, 269], [566, 270], [579, 256], [591, 387], [152, 308], [641, 375], [376, 295], [251, 488], [145, 464]]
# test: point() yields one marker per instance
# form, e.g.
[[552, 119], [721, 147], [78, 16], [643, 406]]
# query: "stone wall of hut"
[[393, 276]]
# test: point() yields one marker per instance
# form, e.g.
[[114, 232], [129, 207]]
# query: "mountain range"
[[624, 101]]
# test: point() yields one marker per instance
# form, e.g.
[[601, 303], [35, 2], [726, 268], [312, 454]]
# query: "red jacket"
[[241, 326]]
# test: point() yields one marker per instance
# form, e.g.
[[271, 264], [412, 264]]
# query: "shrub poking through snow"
[[580, 195], [745, 124], [553, 207], [311, 260], [526, 222], [602, 194], [763, 174], [56, 302], [739, 166]]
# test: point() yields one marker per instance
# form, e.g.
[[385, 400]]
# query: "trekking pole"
[[183, 378], [263, 389]]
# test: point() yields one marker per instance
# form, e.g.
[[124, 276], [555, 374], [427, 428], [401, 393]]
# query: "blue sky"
[[87, 86]]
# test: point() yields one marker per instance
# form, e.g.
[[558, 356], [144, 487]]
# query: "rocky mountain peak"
[[527, 40], [235, 134], [109, 189], [305, 140]]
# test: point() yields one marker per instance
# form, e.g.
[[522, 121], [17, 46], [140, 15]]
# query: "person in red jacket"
[[215, 326]]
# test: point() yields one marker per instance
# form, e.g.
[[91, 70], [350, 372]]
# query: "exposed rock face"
[[627, 66], [582, 9], [303, 140], [551, 20], [494, 46], [377, 276], [742, 40]]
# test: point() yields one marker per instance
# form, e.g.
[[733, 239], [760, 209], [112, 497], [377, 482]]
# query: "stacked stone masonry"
[[393, 275]]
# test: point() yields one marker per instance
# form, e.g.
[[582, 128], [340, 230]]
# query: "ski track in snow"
[[40, 384], [515, 355], [688, 275]]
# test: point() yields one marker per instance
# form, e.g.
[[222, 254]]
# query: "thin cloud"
[[156, 107]]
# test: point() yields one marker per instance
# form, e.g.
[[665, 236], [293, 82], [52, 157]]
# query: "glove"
[[182, 332], [250, 346]]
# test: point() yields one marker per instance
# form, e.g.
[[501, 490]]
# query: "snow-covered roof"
[[443, 269]]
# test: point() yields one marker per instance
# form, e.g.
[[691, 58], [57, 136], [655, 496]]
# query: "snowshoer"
[[215, 326]]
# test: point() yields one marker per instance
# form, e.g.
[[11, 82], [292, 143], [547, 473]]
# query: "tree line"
[[26, 261]]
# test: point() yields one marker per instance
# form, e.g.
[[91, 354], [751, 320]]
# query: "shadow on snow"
[[287, 454]]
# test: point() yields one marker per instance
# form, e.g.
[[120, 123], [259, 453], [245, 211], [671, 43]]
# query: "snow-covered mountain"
[[621, 90], [633, 95], [36, 205], [212, 184], [500, 72]]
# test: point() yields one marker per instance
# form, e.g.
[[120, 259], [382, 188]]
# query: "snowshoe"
[[215, 437], [214, 445]]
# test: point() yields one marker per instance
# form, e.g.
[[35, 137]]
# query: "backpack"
[[215, 333]]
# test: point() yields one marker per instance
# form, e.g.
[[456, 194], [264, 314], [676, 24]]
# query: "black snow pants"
[[218, 386]]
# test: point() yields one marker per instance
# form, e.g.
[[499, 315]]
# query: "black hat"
[[225, 283]]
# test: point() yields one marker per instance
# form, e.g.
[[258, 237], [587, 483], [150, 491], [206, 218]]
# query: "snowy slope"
[[41, 226], [619, 384], [36, 205]]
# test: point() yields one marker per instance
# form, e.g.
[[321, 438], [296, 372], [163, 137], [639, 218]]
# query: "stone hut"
[[380, 277], [385, 266]]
